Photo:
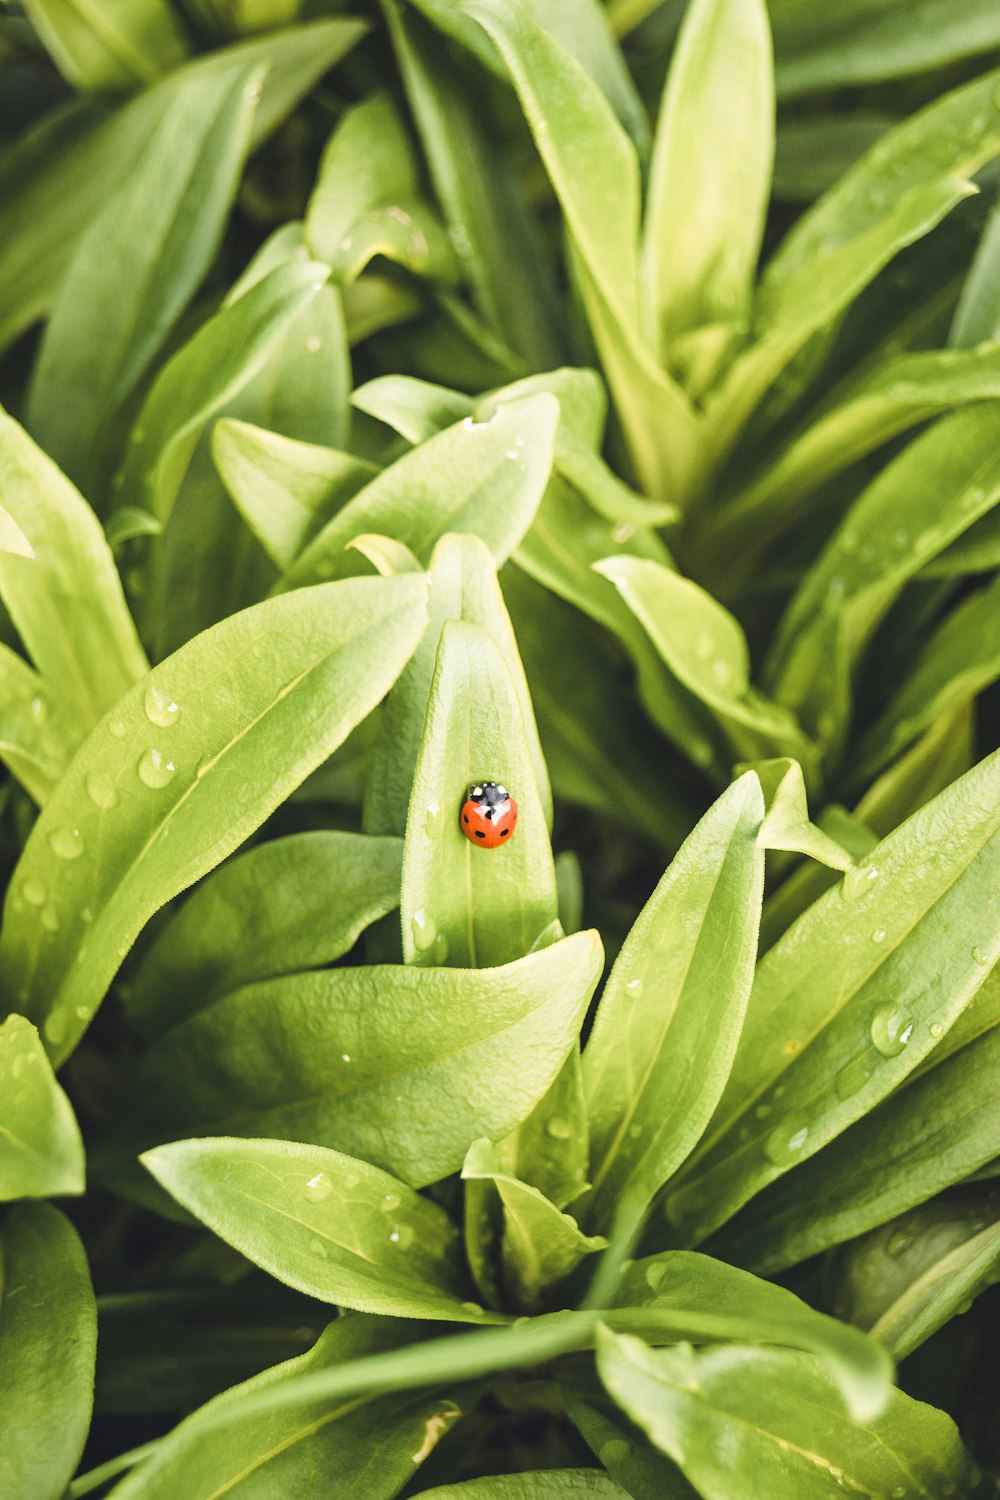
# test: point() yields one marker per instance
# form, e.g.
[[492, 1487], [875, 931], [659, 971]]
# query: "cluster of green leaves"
[[605, 401]]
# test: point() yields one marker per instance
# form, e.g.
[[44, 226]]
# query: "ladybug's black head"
[[487, 793]]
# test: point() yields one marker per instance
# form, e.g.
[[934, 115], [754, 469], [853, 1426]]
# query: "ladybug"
[[489, 815]]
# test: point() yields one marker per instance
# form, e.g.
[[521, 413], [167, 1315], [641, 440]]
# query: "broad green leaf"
[[285, 490], [460, 904], [48, 1332], [958, 660], [208, 372], [355, 1446], [595, 175], [776, 1419], [489, 224], [541, 1246], [704, 647], [550, 1150], [188, 764], [853, 997], [807, 882], [939, 1130], [538, 1484], [41, 1152], [463, 586], [66, 601], [486, 478], [905, 1280], [327, 1224], [709, 185], [294, 903], [933, 492], [117, 45], [399, 1066], [787, 824], [416, 409], [37, 738], [137, 265], [858, 41], [672, 1010]]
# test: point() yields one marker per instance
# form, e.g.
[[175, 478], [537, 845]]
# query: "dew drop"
[[251, 93], [635, 1131], [440, 951], [313, 344], [351, 1181], [160, 707], [424, 931], [50, 919], [979, 957], [898, 1243], [720, 670], [38, 709], [402, 1236], [858, 880], [432, 819], [898, 1492], [616, 1451], [117, 728], [634, 988], [317, 1246], [345, 1057], [762, 1111], [891, 1029], [318, 1187], [473, 1308], [67, 843], [155, 770], [101, 789], [937, 1030], [878, 936], [55, 1028], [787, 1140], [622, 533], [559, 1129], [34, 892], [82, 1013], [390, 1203]]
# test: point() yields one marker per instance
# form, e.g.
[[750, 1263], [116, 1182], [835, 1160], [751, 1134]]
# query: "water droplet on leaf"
[[155, 770], [891, 1029], [34, 892], [318, 1187], [101, 789], [424, 931], [160, 707], [67, 843]]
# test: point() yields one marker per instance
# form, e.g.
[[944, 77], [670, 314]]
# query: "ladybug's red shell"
[[488, 816]]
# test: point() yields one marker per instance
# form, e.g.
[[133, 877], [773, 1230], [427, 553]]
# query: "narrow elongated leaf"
[[37, 737], [327, 1224], [671, 1014], [854, 996], [939, 1130], [123, 44], [905, 1280], [787, 824], [485, 478], [705, 649], [547, 1484], [137, 265], [977, 316], [285, 490], [551, 1150], [295, 903], [777, 1419], [463, 585], [541, 1246], [367, 1446], [709, 184], [48, 1329], [203, 750], [203, 376], [461, 904], [897, 524], [399, 1066], [645, 1473], [41, 1152]]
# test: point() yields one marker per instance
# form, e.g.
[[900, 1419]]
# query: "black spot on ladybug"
[[504, 832], [465, 817], [479, 833]]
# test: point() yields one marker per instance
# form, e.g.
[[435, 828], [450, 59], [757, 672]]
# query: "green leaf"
[[355, 1059], [550, 1150], [121, 44], [327, 1224], [41, 1152], [416, 409], [704, 647], [66, 601], [854, 997], [977, 316], [863, 40], [595, 175], [933, 492], [940, 1129], [486, 478], [776, 1419], [37, 738], [294, 903], [350, 1447], [181, 771], [209, 371], [672, 1010], [463, 585], [138, 264], [541, 1246], [645, 1473], [48, 1330], [787, 824], [544, 1484], [461, 904], [905, 1280], [709, 185]]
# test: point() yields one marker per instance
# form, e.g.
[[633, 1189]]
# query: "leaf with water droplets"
[[37, 734], [672, 1010], [331, 1226], [777, 1419], [263, 699], [41, 1152]]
